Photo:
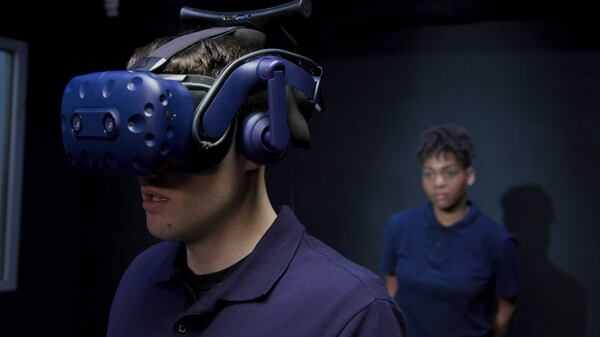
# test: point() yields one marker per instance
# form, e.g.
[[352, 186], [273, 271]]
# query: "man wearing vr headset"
[[230, 265]]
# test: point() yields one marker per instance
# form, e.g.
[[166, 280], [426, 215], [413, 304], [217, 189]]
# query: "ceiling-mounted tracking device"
[[259, 19], [141, 121]]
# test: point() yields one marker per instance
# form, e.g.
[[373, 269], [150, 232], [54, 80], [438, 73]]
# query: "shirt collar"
[[268, 261], [260, 271], [432, 220]]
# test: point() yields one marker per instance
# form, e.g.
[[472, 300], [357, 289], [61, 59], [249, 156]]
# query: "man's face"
[[445, 180], [184, 206]]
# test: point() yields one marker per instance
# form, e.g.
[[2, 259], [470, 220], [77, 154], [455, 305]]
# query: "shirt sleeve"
[[388, 261], [506, 269], [380, 318]]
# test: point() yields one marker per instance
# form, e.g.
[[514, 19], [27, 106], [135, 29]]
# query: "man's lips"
[[149, 193], [153, 200]]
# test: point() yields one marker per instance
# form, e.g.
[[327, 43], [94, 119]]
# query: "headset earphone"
[[264, 136]]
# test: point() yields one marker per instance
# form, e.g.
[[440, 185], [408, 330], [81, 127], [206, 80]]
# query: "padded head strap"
[[166, 51]]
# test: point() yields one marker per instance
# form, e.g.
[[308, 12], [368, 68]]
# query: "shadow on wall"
[[551, 302]]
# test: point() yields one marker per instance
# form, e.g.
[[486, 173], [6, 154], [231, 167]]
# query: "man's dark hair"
[[445, 139], [209, 58]]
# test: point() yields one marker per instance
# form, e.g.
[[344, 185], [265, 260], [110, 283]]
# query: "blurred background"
[[522, 76]]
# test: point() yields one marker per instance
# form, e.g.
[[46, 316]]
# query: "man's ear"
[[236, 149], [243, 161], [471, 176], [250, 165]]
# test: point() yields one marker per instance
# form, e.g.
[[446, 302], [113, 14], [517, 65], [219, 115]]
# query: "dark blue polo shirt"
[[291, 285], [449, 277]]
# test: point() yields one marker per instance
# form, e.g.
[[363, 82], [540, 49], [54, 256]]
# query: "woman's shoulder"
[[408, 215], [495, 235]]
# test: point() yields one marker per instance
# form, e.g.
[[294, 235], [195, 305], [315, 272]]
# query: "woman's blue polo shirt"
[[449, 277]]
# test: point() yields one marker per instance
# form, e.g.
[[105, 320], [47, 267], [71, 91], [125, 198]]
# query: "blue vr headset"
[[139, 122]]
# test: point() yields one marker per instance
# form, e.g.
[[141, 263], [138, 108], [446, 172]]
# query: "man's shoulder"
[[154, 262], [322, 270], [150, 266], [156, 253], [323, 282]]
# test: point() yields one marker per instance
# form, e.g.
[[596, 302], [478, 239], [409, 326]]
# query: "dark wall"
[[524, 86], [529, 100]]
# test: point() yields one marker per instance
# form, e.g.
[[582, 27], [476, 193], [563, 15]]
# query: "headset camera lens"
[[109, 124], [76, 123]]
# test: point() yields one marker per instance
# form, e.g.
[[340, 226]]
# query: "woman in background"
[[452, 269]]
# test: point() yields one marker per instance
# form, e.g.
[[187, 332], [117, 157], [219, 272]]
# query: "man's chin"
[[161, 229]]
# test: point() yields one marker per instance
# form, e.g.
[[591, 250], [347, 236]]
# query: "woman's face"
[[445, 180]]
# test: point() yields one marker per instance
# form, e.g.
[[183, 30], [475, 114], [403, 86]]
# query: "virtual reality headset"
[[141, 121]]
